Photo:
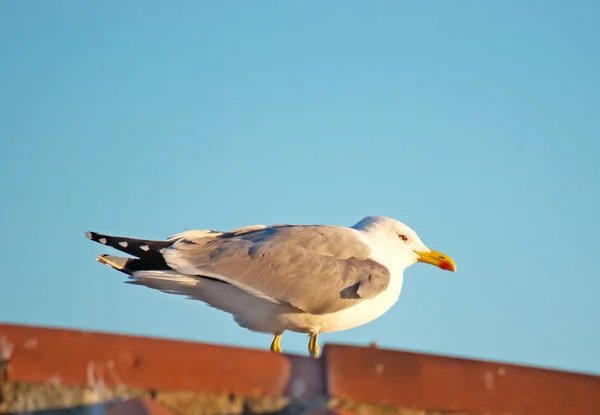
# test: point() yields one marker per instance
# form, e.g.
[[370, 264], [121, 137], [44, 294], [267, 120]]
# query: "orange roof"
[[118, 368]]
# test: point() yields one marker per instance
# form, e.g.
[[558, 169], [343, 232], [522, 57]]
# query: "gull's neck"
[[384, 250]]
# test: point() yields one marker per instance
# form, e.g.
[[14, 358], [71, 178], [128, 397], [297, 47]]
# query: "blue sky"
[[476, 123]]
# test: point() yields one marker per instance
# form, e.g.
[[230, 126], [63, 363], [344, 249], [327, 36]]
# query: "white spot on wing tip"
[[123, 244], [145, 248], [88, 235], [102, 241]]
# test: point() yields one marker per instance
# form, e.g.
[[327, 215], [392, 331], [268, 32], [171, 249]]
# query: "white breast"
[[363, 312]]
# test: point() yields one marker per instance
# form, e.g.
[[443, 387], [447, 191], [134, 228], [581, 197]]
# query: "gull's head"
[[402, 243]]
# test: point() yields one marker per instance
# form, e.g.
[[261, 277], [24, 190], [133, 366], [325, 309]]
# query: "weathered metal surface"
[[50, 367], [83, 358], [31, 397], [460, 385]]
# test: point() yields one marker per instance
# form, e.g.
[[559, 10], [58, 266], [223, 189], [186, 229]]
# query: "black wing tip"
[[97, 237]]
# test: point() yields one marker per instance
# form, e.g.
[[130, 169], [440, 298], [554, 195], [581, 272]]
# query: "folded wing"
[[318, 269]]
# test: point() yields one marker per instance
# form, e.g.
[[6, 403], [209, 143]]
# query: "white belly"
[[271, 318]]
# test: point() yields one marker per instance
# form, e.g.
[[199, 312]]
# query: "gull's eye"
[[403, 237]]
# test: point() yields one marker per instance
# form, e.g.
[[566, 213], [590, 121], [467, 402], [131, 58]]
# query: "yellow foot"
[[313, 345], [276, 345]]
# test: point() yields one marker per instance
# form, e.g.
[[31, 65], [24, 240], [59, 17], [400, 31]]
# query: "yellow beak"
[[437, 259]]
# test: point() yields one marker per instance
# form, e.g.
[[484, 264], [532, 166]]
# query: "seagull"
[[308, 279]]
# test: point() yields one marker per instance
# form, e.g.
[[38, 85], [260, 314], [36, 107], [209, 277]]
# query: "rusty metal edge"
[[48, 354], [249, 372], [436, 382], [455, 358]]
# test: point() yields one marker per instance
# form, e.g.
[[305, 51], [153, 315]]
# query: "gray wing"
[[318, 269]]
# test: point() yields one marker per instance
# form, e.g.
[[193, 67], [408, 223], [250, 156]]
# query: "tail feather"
[[128, 265]]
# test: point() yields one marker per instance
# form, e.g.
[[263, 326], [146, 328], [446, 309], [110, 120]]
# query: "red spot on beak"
[[446, 266]]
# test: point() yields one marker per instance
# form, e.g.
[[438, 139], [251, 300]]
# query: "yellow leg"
[[313, 345], [276, 345]]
